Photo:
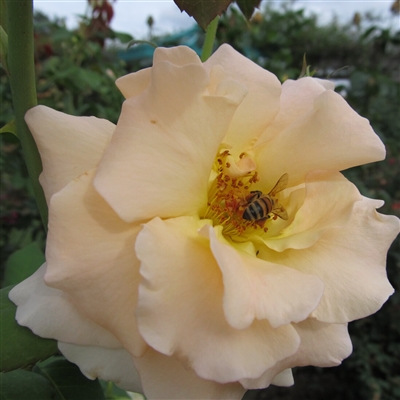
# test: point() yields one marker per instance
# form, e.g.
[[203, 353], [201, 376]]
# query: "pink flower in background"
[[207, 243]]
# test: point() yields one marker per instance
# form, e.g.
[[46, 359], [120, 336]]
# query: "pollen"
[[228, 199]]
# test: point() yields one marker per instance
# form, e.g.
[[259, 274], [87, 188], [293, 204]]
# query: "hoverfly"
[[260, 206]]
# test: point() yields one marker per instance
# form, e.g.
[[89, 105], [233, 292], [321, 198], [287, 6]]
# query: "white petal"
[[165, 378], [50, 314], [90, 256], [261, 104], [160, 158], [114, 365], [68, 145], [254, 288], [180, 307]]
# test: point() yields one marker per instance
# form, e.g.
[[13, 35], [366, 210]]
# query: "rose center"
[[232, 204]]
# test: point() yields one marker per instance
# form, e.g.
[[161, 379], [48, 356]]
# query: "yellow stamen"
[[227, 199]]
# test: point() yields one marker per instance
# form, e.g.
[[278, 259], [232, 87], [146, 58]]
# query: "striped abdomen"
[[258, 209]]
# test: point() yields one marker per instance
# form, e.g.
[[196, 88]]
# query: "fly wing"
[[280, 185], [280, 211]]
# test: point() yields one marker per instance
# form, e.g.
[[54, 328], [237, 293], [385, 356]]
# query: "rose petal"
[[114, 365], [68, 145], [351, 261], [322, 345], [328, 203], [50, 314], [180, 307], [268, 377], [284, 378], [165, 146], [327, 84], [297, 99], [90, 255], [261, 104], [134, 84], [179, 56], [330, 136], [165, 377], [256, 289]]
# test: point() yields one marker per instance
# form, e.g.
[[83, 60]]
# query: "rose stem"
[[22, 80], [209, 40]]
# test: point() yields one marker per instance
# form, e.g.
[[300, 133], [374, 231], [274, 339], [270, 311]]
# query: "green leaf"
[[4, 48], [113, 392], [122, 36], [88, 78], [23, 263], [24, 385], [3, 14], [81, 78], [306, 69], [19, 347], [203, 11], [54, 379], [68, 381], [247, 7], [9, 128]]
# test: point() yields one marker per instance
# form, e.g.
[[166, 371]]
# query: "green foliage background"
[[76, 74]]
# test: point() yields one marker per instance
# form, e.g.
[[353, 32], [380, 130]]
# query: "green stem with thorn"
[[23, 88]]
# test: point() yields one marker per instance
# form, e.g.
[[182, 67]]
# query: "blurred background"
[[356, 44]]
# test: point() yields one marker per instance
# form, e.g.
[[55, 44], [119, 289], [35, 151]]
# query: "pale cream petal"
[[350, 261], [90, 256], [134, 84], [297, 99], [160, 157], [281, 371], [180, 308], [114, 365], [178, 55], [261, 104], [68, 145], [322, 345], [257, 289], [280, 375], [284, 378], [327, 84], [330, 136], [50, 314], [166, 378], [328, 203]]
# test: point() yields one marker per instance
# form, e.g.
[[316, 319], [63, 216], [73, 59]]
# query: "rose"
[[207, 243]]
